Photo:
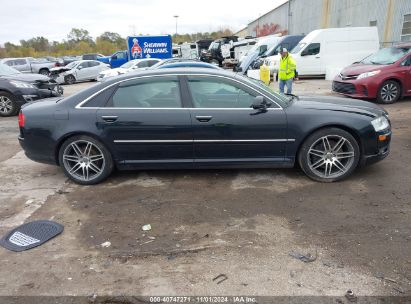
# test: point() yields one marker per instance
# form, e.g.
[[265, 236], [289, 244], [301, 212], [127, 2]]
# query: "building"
[[392, 17]]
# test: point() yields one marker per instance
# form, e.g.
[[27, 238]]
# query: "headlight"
[[368, 74], [22, 85], [380, 123]]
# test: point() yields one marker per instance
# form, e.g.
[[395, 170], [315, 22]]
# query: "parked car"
[[257, 50], [333, 48], [92, 56], [385, 76], [81, 70], [133, 65], [29, 65], [17, 88], [201, 118]]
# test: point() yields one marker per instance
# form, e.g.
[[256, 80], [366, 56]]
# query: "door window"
[[207, 93], [406, 62], [93, 64], [120, 55], [162, 93], [311, 49], [83, 65], [143, 64]]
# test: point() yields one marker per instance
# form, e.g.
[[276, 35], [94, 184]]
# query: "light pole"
[[176, 16]]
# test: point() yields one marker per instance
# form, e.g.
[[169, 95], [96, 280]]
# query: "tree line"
[[79, 41]]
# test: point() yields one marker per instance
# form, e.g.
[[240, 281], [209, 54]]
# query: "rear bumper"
[[37, 157]]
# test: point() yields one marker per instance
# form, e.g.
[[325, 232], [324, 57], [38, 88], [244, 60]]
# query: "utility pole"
[[176, 16]]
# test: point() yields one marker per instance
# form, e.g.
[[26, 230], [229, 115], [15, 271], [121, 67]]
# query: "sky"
[[53, 19]]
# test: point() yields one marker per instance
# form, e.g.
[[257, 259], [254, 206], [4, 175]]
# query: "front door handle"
[[204, 118], [109, 119]]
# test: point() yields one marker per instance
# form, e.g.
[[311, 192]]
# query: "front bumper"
[[365, 88], [41, 91], [381, 151]]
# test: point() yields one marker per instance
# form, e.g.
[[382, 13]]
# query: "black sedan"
[[17, 88], [201, 118]]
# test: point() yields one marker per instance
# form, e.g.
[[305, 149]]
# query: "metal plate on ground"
[[30, 235]]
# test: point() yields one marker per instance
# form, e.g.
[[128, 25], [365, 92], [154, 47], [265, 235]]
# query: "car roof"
[[403, 45], [187, 64], [173, 71]]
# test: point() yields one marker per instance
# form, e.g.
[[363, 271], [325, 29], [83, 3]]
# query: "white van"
[[327, 51]]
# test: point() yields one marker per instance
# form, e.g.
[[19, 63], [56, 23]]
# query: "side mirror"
[[238, 69], [259, 103], [79, 67]]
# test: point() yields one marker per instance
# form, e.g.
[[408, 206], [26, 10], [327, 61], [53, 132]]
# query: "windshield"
[[71, 65], [128, 64], [6, 70], [386, 56], [298, 48]]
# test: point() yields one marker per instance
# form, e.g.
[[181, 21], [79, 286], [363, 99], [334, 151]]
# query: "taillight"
[[21, 119]]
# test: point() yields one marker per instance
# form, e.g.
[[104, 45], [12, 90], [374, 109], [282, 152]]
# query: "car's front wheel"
[[85, 160], [69, 79], [329, 155], [8, 105], [389, 92]]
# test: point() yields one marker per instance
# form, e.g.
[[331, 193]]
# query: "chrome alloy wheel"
[[331, 156], [83, 160], [6, 105], [389, 92]]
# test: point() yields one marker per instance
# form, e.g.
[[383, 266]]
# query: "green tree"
[[77, 35]]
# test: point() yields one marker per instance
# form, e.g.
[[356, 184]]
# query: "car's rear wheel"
[[389, 92], [8, 105], [69, 79], [85, 160], [329, 155]]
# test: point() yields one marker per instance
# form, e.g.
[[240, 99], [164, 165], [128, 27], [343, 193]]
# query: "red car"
[[385, 76]]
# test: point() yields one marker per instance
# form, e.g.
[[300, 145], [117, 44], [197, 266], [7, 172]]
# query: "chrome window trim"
[[79, 105], [127, 141]]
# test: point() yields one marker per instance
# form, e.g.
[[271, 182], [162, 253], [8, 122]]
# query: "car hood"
[[27, 77], [339, 104], [114, 72], [359, 68]]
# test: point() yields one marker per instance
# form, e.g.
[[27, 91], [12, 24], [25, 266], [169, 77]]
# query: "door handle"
[[204, 118], [317, 56], [109, 119]]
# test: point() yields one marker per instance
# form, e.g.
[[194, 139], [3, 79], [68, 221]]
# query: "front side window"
[[120, 55], [208, 93], [311, 49], [153, 93], [93, 63]]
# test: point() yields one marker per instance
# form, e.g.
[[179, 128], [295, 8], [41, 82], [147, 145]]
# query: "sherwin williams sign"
[[149, 47]]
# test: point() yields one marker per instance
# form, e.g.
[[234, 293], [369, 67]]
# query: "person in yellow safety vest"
[[287, 71]]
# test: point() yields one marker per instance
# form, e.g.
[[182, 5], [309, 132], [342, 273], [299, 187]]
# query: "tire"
[[76, 158], [389, 92], [69, 79], [8, 105], [44, 72], [331, 164]]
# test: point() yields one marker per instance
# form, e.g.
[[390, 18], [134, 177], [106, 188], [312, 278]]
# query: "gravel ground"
[[245, 224]]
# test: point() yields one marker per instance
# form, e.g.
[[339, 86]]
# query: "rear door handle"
[[109, 119], [204, 118]]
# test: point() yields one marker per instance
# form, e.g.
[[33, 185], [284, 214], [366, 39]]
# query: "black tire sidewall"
[[15, 108], [109, 165], [302, 155], [66, 79], [379, 98]]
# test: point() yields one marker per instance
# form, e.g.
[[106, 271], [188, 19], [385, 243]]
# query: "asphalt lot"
[[241, 223]]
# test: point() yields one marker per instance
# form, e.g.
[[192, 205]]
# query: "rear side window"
[[100, 100], [153, 93], [311, 49]]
